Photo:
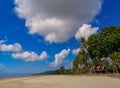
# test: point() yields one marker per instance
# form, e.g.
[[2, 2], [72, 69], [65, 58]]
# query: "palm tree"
[[84, 44], [83, 55], [84, 51], [84, 47], [115, 56]]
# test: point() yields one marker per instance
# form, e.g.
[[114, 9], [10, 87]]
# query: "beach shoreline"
[[60, 81]]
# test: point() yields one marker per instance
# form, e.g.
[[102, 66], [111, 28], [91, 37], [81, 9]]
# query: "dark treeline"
[[59, 71]]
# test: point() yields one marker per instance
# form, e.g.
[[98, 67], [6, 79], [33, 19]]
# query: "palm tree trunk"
[[92, 66], [116, 68], [106, 66]]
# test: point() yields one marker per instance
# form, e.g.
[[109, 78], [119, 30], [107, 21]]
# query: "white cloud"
[[30, 56], [56, 20], [18, 52], [85, 31], [10, 47], [76, 51], [2, 41], [59, 58]]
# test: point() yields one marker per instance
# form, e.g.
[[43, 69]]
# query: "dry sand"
[[60, 82]]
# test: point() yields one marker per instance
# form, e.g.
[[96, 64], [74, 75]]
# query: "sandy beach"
[[60, 82]]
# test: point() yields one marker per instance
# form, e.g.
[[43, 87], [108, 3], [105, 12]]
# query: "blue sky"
[[54, 33]]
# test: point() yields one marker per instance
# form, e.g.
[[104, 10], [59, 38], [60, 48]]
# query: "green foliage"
[[76, 61], [105, 43], [62, 70], [111, 69], [98, 62], [56, 72], [115, 56], [82, 57]]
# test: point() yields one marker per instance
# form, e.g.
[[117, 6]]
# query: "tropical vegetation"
[[102, 49]]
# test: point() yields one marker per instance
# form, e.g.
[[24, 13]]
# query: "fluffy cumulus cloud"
[[2, 41], [56, 20], [59, 58], [85, 31], [10, 47], [19, 53], [76, 51], [30, 56]]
